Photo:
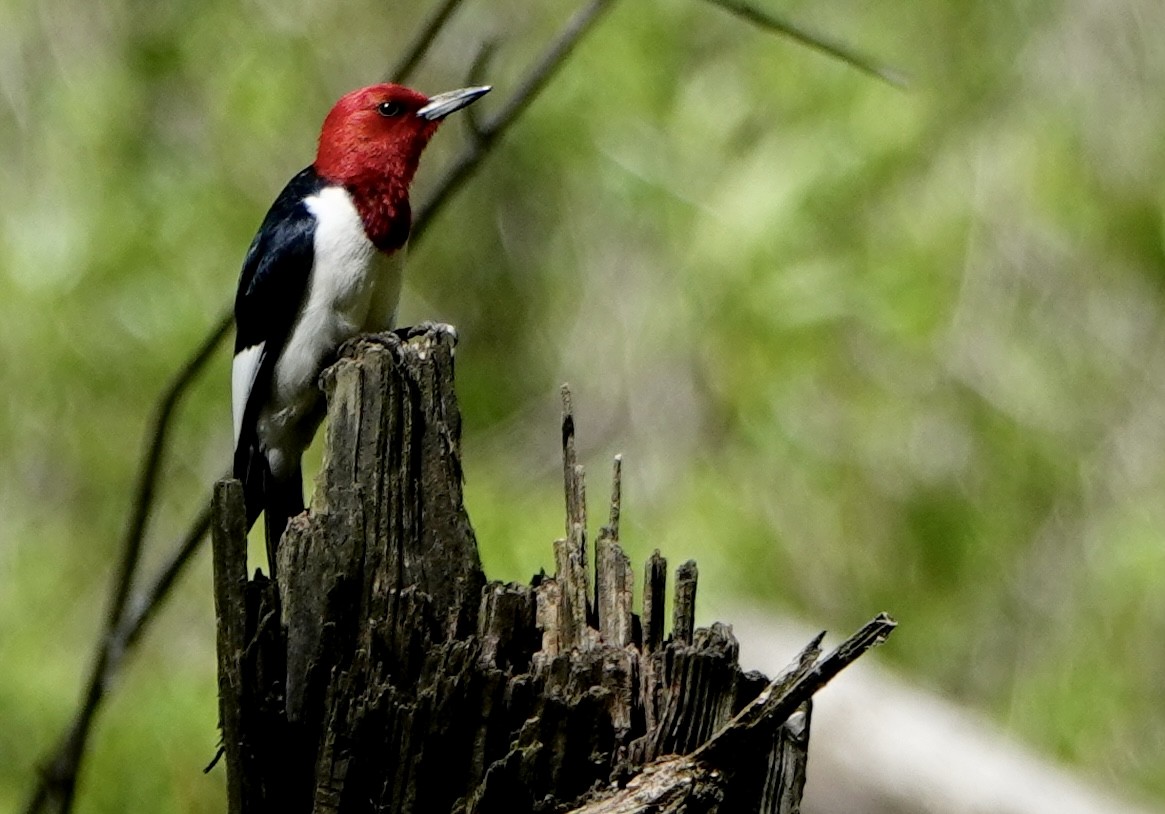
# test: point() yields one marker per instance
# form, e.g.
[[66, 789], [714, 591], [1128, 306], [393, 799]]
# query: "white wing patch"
[[243, 370]]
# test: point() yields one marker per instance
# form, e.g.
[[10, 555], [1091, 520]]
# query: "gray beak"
[[443, 104]]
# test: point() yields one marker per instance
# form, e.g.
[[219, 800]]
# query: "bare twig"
[[819, 42], [423, 40], [541, 72], [59, 774], [151, 463], [142, 610], [478, 70]]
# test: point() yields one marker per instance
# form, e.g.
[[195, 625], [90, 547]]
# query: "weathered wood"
[[576, 503], [613, 592], [229, 531], [684, 606], [737, 769], [784, 781], [684, 785], [616, 497], [382, 673], [613, 575], [654, 586]]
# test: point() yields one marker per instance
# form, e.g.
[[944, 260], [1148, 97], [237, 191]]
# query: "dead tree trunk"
[[383, 673]]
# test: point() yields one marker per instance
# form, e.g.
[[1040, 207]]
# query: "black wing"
[[271, 291], [277, 266]]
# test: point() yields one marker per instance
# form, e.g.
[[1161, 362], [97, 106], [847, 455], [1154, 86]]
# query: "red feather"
[[375, 156]]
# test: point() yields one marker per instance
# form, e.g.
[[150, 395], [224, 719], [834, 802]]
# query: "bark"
[[383, 672]]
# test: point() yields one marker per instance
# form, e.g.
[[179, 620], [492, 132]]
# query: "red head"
[[378, 133], [371, 143]]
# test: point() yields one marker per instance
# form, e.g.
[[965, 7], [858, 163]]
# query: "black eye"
[[390, 108]]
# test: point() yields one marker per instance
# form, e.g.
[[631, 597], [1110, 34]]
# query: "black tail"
[[277, 500], [282, 500]]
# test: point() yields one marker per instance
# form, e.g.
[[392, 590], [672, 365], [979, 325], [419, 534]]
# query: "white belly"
[[354, 289]]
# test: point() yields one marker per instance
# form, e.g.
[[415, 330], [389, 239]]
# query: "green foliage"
[[863, 349]]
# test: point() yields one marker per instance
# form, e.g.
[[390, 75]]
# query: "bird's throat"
[[383, 204], [378, 181]]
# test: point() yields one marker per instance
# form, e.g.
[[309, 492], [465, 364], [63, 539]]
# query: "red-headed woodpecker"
[[325, 266]]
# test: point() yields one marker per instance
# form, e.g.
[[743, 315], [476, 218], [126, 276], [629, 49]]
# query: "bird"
[[325, 266]]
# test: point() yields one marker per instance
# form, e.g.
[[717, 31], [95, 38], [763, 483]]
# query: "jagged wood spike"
[[793, 687], [616, 496], [569, 459], [613, 592], [577, 584], [572, 595], [684, 606], [785, 782], [654, 594], [578, 522]]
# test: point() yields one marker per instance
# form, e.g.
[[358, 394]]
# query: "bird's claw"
[[350, 347], [440, 330]]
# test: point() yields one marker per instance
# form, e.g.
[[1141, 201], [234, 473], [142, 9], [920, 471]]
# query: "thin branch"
[[59, 774], [142, 610], [819, 42], [423, 41], [144, 492], [476, 74], [541, 72]]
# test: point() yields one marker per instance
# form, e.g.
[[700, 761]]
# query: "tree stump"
[[383, 673]]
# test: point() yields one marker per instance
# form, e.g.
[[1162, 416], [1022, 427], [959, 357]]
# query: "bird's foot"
[[351, 348], [442, 332], [392, 340]]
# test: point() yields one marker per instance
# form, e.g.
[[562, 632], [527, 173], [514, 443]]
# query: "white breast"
[[353, 289]]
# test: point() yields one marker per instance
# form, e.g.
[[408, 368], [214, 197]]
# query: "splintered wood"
[[383, 673]]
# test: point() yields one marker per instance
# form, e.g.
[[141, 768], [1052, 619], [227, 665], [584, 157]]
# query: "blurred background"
[[862, 349]]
